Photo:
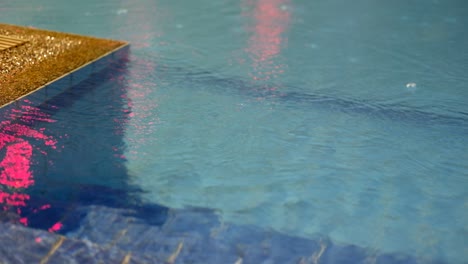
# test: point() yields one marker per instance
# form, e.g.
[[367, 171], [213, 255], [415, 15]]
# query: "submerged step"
[[191, 235], [31, 60], [26, 245]]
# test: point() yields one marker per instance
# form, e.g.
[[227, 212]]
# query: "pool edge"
[[62, 83]]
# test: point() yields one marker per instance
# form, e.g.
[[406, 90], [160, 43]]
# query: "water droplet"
[[122, 11], [411, 86]]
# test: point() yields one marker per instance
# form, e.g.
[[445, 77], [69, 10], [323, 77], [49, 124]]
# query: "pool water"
[[311, 118]]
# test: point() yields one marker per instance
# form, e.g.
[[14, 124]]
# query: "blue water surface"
[[275, 126]]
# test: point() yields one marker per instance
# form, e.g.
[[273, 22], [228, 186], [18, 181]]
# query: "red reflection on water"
[[271, 18], [15, 167]]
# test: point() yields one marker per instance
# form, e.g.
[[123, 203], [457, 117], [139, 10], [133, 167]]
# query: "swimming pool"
[[319, 120]]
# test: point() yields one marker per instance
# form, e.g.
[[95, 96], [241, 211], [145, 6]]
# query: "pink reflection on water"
[[13, 199], [56, 227], [271, 20], [15, 166], [145, 20]]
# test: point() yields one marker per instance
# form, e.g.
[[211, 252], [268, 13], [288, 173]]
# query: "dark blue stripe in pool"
[[399, 113], [104, 220]]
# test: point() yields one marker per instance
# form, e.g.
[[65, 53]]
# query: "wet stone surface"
[[111, 235]]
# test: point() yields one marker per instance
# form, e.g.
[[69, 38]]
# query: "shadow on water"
[[69, 152]]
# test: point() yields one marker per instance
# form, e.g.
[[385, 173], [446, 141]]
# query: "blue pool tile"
[[122, 53], [7, 110], [81, 74], [208, 241], [59, 86], [102, 63], [201, 220], [345, 254], [25, 245], [286, 248], [22, 246], [395, 259], [34, 98]]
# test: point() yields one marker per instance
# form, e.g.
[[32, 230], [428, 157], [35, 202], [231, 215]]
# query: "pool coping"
[[64, 82]]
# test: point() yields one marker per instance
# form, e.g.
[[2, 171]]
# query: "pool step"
[[199, 236], [25, 245], [113, 235]]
